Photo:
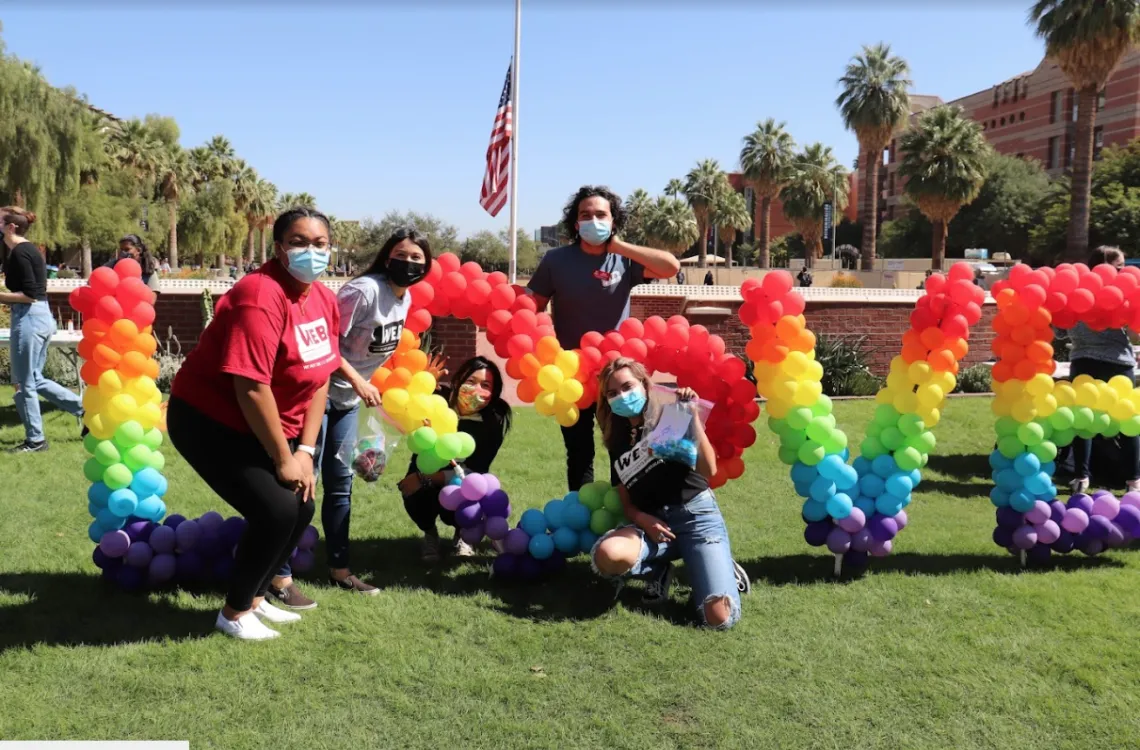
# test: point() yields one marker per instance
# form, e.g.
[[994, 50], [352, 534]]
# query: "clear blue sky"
[[374, 110]]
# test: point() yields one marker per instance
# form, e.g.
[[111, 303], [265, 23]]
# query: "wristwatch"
[[308, 449]]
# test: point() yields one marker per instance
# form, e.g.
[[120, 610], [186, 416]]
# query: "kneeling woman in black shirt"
[[477, 397], [675, 514]]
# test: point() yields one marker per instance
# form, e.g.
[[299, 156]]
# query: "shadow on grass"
[[72, 609], [809, 569], [961, 466]]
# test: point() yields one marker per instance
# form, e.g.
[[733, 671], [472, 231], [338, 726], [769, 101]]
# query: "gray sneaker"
[[657, 587], [743, 582], [462, 548]]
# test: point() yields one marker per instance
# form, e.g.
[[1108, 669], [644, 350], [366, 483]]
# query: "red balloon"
[[502, 351], [422, 295], [103, 281], [634, 349], [751, 287], [543, 319], [142, 314], [793, 304], [935, 283], [731, 368], [448, 262], [612, 341], [542, 331], [524, 322], [973, 313], [461, 307], [107, 308], [655, 327], [1092, 282], [1106, 272], [502, 297], [743, 391], [717, 346], [471, 270], [1081, 300], [434, 274], [81, 300], [1064, 318], [698, 341], [1126, 282], [962, 292], [677, 320], [964, 272], [479, 315], [523, 302], [1064, 281], [520, 344], [128, 268], [1055, 302], [1109, 298], [498, 321], [744, 435], [1032, 296], [776, 284], [590, 358], [497, 278], [131, 291], [955, 327], [478, 292], [591, 339], [418, 321], [676, 337], [440, 306], [632, 328], [454, 284]]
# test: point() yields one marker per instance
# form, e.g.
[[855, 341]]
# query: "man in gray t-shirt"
[[589, 283]]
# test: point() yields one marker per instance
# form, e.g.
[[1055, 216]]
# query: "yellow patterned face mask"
[[471, 399]]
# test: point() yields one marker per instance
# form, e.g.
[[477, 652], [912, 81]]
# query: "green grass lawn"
[[946, 643]]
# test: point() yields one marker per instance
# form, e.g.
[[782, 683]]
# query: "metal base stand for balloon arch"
[[1024, 556], [838, 570]]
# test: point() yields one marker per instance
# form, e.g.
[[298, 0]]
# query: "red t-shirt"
[[263, 331]]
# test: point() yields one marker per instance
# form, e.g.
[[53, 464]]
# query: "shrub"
[[976, 379], [846, 281], [169, 361], [66, 273], [844, 363]]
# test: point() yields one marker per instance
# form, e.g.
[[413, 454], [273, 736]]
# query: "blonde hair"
[[1106, 254], [611, 423]]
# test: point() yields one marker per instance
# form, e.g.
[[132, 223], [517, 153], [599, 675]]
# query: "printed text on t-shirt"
[[385, 338], [635, 463], [313, 340]]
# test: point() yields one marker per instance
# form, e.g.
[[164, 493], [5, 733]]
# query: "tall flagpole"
[[515, 145]]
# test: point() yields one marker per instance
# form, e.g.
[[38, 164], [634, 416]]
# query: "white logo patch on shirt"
[[635, 462], [313, 340]]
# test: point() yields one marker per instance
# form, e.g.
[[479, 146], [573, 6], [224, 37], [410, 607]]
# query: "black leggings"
[[423, 508], [237, 468]]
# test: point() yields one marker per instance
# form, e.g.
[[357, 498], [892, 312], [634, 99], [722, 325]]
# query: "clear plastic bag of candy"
[[674, 436], [376, 438]]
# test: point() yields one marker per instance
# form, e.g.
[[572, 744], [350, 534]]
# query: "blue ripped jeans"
[[32, 329], [701, 543]]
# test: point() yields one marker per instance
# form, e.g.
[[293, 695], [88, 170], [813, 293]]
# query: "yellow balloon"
[[110, 383], [919, 372], [784, 390], [544, 403], [148, 415], [122, 407], [446, 423], [395, 401], [1039, 385], [100, 426], [1121, 384], [897, 381], [567, 362], [796, 364], [567, 418], [423, 383], [930, 417], [946, 381], [1122, 409], [570, 391], [93, 401], [1045, 405], [885, 396], [1087, 393], [778, 410], [419, 407], [1064, 393], [899, 365], [906, 403], [815, 371], [1106, 397], [1000, 407], [1083, 380], [807, 393], [929, 395], [1023, 412], [550, 377]]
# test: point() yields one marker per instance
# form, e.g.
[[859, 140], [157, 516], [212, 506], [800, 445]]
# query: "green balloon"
[[822, 405], [129, 434], [787, 455], [923, 442], [422, 440], [1007, 426], [1112, 430], [90, 442], [612, 502], [153, 439], [1062, 419], [106, 453], [466, 445], [819, 429], [1088, 434], [872, 447], [137, 458], [777, 426], [602, 521], [1082, 418], [1045, 427], [836, 441], [794, 440], [156, 460], [449, 446], [1030, 433], [891, 438], [590, 496], [1045, 451], [1062, 438], [874, 428], [911, 425], [1010, 446], [430, 463], [886, 415], [117, 476], [799, 418], [93, 470], [811, 453], [1131, 426], [1101, 422], [908, 459]]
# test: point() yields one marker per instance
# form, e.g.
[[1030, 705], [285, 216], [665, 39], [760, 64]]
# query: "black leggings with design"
[[237, 468]]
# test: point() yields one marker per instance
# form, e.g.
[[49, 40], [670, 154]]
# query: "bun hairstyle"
[[20, 217]]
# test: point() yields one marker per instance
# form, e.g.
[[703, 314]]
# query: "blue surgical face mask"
[[594, 231], [306, 264], [628, 404]]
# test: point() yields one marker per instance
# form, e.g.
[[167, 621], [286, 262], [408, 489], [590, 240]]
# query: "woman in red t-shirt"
[[246, 408]]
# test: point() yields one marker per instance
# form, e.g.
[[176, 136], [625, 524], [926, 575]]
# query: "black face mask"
[[405, 272]]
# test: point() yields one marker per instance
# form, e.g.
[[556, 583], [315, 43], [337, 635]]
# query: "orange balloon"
[[529, 365], [105, 357], [1002, 326], [912, 337], [1025, 369], [762, 333], [95, 328], [379, 378], [932, 337], [914, 353], [1002, 371], [132, 365], [589, 394], [86, 348], [151, 370], [942, 360], [805, 342], [514, 372], [775, 353], [123, 334], [1039, 352], [409, 340], [414, 360], [1017, 315], [1023, 335], [788, 328], [1048, 367], [958, 347], [1005, 298], [528, 390], [145, 344], [547, 349], [754, 350], [400, 378], [1040, 317]]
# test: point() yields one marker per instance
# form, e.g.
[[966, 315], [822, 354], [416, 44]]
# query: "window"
[[1021, 117], [1098, 142], [1054, 107], [993, 123], [985, 126], [891, 184], [1070, 151], [1074, 99], [1001, 122], [997, 93], [1053, 158], [1100, 100], [893, 143], [1024, 88]]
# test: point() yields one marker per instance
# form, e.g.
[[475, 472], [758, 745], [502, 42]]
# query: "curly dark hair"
[[570, 212]]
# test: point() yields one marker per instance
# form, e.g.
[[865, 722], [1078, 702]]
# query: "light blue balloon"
[[1049, 494], [831, 467], [555, 514], [888, 504], [123, 502], [571, 497], [146, 482], [1049, 468], [814, 510], [1008, 479], [803, 489], [848, 479], [577, 516], [861, 465], [884, 465], [95, 532], [533, 522], [803, 474], [566, 540], [586, 540], [98, 494], [999, 497], [1027, 464], [109, 521], [915, 478], [839, 505], [899, 485], [1021, 500], [845, 454], [151, 508], [821, 489], [1039, 483], [872, 485], [999, 462], [865, 504], [541, 546]]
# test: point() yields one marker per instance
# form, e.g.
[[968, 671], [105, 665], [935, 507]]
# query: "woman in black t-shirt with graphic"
[[674, 512]]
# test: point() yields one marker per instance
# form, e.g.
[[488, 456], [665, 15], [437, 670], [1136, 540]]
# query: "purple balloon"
[[1075, 520], [1003, 536], [222, 569], [1065, 543], [1082, 501], [1039, 554], [187, 534], [496, 503], [883, 528], [838, 541], [162, 540], [529, 568], [139, 531], [1099, 527], [474, 487], [210, 545], [473, 534], [99, 558], [1107, 506], [1056, 511], [139, 555], [1114, 537], [115, 543], [210, 521], [301, 560], [553, 564], [1131, 498], [816, 533], [161, 569], [881, 548], [861, 540], [231, 531], [855, 559], [308, 538], [497, 527], [1100, 493], [1024, 537], [1047, 532], [1129, 519], [901, 519], [854, 521], [468, 515], [1008, 518], [1039, 513], [174, 521], [492, 483], [517, 541], [450, 497], [188, 565], [130, 578], [1092, 547], [506, 566]]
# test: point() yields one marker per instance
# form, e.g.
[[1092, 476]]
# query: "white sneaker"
[[245, 628], [1133, 485], [269, 613], [1079, 486]]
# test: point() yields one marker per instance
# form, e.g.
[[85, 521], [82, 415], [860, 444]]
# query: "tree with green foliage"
[[671, 225], [442, 237], [816, 178], [766, 162], [704, 185], [730, 215], [637, 206]]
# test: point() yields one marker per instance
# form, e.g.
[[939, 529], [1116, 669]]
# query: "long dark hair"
[[497, 408], [380, 263], [149, 265], [570, 211]]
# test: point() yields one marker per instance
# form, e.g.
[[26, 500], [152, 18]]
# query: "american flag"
[[493, 195]]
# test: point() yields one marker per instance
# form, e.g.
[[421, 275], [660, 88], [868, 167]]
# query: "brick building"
[[1032, 116]]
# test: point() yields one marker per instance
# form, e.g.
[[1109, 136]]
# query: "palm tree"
[[944, 165], [207, 165], [731, 214], [245, 195], [135, 149], [816, 178], [765, 160], [874, 103], [674, 188], [1087, 38], [174, 177], [223, 151], [267, 202], [296, 200], [671, 225], [637, 205], [704, 184]]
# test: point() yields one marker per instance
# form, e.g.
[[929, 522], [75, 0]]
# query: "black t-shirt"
[[653, 482], [25, 271]]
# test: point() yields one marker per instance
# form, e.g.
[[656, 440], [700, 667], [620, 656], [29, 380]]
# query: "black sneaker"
[[30, 447], [743, 585], [290, 597], [657, 587]]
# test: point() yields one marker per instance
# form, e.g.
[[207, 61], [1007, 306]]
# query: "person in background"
[[372, 308], [1103, 355], [681, 276], [246, 409], [132, 246], [33, 325], [165, 267], [485, 416], [804, 277], [674, 512], [922, 284], [709, 278], [589, 282]]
